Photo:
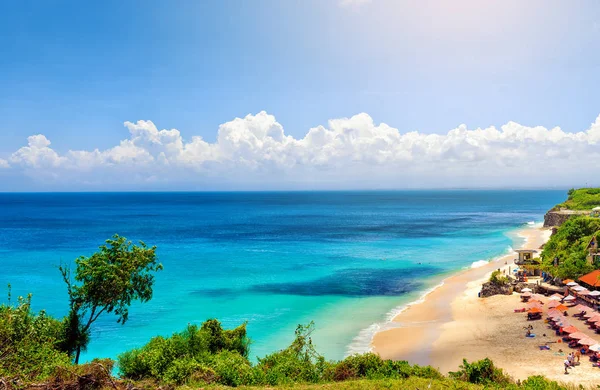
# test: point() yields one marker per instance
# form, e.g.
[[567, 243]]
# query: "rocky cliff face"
[[558, 217]]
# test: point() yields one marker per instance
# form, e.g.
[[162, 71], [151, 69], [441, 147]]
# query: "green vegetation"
[[581, 199], [37, 351], [482, 372], [29, 342], [106, 282], [569, 246], [498, 278]]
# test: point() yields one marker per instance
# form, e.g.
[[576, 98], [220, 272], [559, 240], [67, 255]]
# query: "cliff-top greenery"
[[581, 199]]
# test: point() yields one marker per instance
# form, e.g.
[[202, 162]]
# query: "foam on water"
[[363, 342]]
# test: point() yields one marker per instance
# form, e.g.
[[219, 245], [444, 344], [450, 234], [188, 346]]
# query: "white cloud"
[[4, 164], [255, 152]]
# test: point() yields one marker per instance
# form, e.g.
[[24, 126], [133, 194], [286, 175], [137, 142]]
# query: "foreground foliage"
[[568, 245], [106, 282], [29, 343]]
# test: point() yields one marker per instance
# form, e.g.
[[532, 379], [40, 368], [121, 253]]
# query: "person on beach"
[[567, 366]]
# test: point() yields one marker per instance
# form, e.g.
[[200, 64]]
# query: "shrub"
[[498, 278], [481, 372], [29, 343], [538, 382], [184, 355]]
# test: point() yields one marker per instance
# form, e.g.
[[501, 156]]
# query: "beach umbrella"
[[571, 284], [594, 293], [570, 329], [581, 307], [587, 341], [567, 281], [527, 294], [584, 292], [595, 347], [569, 298], [538, 297], [578, 288], [590, 314], [595, 318], [534, 310], [578, 335], [562, 308], [526, 289], [553, 304]]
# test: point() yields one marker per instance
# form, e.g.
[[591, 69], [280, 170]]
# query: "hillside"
[[581, 199]]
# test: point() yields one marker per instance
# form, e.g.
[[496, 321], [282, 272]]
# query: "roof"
[[591, 240], [592, 279], [526, 250]]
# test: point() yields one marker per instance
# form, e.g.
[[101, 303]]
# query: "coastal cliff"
[[558, 217]]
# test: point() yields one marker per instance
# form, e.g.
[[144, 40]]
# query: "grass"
[[363, 384], [581, 199]]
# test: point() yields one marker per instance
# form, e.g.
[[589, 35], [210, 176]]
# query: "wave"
[[362, 343], [479, 263]]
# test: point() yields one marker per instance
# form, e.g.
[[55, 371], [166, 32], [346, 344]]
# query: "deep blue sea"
[[344, 260]]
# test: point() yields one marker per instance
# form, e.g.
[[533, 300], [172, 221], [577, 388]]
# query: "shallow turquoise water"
[[341, 259]]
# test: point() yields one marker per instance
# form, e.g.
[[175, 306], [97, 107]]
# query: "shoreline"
[[415, 333]]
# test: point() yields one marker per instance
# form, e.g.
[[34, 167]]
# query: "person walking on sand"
[[567, 366]]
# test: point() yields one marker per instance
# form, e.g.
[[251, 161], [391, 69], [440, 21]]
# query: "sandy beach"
[[452, 323]]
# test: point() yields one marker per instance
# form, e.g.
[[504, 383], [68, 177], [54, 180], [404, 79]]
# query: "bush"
[[538, 382], [569, 246], [481, 372], [184, 355], [498, 278], [29, 343]]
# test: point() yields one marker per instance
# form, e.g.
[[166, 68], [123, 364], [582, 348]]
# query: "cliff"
[[558, 217]]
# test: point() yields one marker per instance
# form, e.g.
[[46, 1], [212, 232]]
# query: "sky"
[[312, 94]]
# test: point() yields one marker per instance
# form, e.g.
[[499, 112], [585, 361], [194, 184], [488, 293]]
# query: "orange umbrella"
[[561, 308], [568, 281], [578, 335], [535, 310], [570, 329]]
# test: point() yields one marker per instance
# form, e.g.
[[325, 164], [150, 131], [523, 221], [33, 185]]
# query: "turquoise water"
[[342, 259]]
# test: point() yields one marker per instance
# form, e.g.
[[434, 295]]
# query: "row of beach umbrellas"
[[556, 315]]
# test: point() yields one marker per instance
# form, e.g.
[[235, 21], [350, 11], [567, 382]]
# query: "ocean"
[[346, 260]]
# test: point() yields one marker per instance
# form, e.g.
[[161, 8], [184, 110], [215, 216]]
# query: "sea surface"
[[345, 260]]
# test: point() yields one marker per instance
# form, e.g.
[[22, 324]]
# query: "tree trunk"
[[77, 355]]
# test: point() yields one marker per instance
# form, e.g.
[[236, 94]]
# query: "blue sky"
[[75, 71]]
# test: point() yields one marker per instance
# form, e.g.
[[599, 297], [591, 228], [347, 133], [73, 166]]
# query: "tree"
[[106, 282]]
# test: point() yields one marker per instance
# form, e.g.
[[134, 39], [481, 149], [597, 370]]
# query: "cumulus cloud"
[[4, 164], [255, 152]]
